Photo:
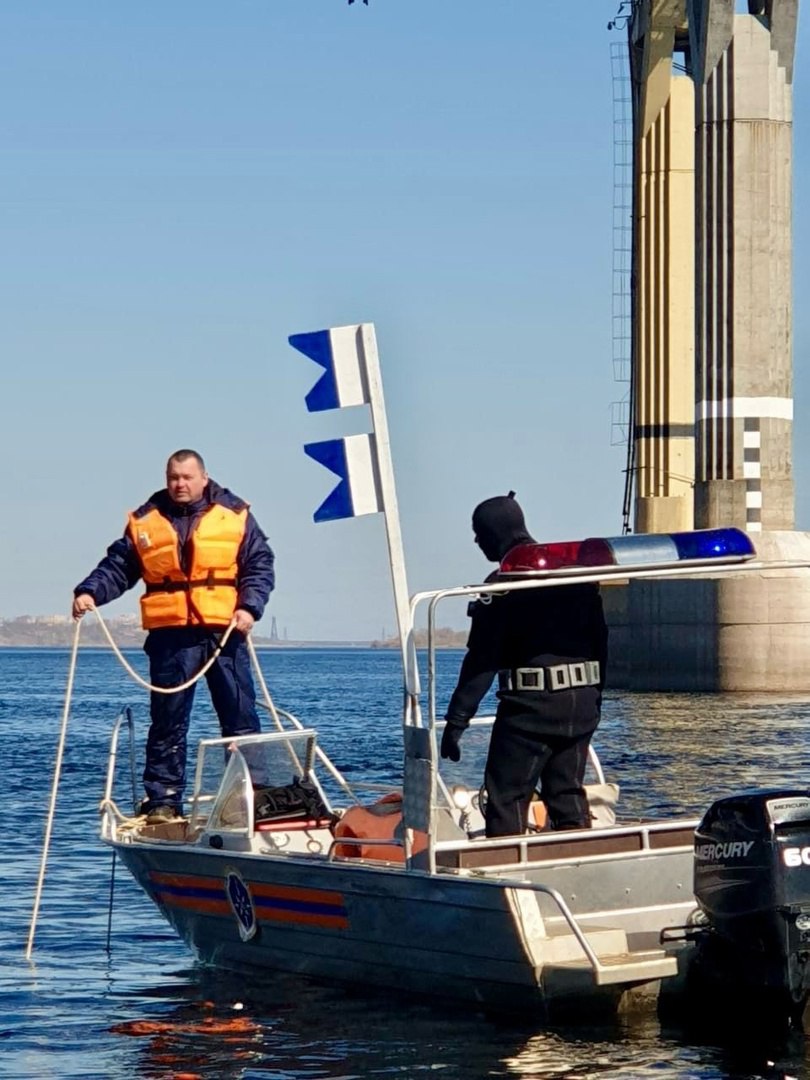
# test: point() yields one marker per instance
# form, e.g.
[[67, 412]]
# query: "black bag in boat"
[[300, 799]]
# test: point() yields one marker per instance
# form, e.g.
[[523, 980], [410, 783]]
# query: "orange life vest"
[[207, 594], [380, 821]]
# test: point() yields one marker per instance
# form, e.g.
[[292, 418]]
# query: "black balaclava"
[[498, 525]]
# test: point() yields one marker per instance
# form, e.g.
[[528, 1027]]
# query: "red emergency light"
[[643, 549]]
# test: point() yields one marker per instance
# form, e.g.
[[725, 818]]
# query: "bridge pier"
[[712, 365]]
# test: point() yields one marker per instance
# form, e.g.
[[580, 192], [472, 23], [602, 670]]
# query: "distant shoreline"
[[265, 646], [57, 632], [138, 645]]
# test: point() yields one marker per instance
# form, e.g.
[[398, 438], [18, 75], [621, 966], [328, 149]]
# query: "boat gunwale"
[[478, 856]]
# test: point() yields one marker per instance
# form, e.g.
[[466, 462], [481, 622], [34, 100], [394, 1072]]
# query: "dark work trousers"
[[174, 657], [518, 760]]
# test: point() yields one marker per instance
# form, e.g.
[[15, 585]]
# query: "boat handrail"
[[533, 887], [124, 717], [567, 576], [643, 829], [607, 844], [364, 841], [571, 919], [576, 576], [554, 894], [595, 575], [488, 721], [256, 737], [373, 785], [544, 579]]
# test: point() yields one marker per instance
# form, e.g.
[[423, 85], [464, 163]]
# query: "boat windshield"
[[235, 776]]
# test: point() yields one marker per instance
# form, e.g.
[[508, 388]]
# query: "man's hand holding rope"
[[243, 621]]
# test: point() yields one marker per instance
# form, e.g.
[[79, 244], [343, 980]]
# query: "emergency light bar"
[[645, 549]]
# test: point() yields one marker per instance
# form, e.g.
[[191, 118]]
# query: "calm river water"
[[143, 1010]]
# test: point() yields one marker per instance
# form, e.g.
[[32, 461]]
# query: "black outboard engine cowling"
[[752, 882]]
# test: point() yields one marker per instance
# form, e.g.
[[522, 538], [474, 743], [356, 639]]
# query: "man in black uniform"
[[549, 647]]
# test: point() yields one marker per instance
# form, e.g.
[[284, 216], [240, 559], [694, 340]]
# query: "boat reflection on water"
[[641, 1048], [195, 1040], [304, 1031]]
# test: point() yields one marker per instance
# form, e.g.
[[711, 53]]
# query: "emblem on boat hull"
[[241, 904]]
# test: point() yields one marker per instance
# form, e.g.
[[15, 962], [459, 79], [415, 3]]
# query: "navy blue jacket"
[[120, 568]]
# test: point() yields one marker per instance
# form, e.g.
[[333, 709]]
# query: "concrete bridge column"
[[744, 404], [749, 632], [664, 276]]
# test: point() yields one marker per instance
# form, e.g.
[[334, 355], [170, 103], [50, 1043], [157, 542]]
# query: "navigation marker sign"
[[351, 376], [338, 352], [353, 459]]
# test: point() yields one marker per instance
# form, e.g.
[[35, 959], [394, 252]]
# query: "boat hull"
[[492, 940]]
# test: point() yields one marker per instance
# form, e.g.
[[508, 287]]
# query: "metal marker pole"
[[396, 554], [388, 497]]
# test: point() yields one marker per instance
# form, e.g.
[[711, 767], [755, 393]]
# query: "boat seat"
[[547, 847], [293, 824], [177, 829]]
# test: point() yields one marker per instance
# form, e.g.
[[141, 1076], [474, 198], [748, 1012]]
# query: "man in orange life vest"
[[205, 562]]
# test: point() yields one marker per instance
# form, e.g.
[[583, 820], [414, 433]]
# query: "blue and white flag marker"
[[353, 459], [339, 352], [351, 376]]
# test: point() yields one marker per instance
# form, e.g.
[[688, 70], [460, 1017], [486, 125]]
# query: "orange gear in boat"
[[380, 821], [206, 594]]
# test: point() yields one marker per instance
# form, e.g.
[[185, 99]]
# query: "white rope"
[[54, 788], [260, 678], [321, 754], [163, 689], [269, 703], [60, 750]]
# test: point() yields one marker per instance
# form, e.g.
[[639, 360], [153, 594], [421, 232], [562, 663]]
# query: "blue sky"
[[186, 184]]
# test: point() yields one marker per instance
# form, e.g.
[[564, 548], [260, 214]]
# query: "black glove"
[[450, 740]]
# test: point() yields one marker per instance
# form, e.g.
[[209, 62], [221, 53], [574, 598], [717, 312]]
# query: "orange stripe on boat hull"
[[303, 918], [186, 880], [271, 903], [195, 903], [290, 892]]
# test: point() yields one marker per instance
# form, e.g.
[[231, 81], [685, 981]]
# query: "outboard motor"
[[752, 883]]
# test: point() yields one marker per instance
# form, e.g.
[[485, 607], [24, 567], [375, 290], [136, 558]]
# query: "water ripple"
[[145, 1011]]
